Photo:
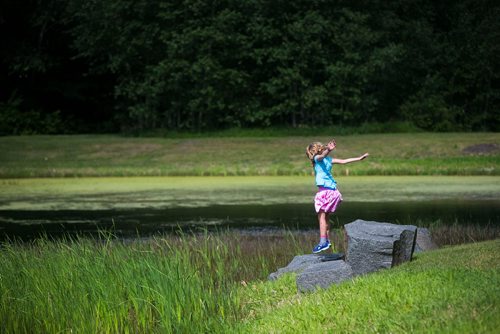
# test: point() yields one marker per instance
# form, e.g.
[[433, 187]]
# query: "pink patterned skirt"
[[327, 200]]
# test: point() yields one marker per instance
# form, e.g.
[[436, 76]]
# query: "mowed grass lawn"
[[112, 155]]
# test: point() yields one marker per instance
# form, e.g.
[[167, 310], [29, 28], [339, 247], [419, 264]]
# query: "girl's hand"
[[331, 145], [363, 156]]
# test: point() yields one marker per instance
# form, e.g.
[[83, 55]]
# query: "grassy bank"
[[391, 154], [216, 283], [452, 290]]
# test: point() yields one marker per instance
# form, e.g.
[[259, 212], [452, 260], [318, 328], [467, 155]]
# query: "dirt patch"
[[481, 149]]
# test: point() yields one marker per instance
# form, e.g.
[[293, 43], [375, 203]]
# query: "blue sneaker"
[[322, 247]]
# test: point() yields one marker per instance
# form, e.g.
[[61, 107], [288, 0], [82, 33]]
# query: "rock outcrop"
[[298, 264], [301, 262], [424, 241], [322, 275], [370, 245]]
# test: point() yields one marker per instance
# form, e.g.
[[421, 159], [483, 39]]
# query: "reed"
[[457, 234], [172, 284], [188, 282], [107, 286]]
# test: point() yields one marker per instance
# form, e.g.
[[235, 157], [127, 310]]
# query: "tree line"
[[138, 65]]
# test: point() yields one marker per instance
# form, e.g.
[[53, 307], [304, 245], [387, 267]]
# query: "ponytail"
[[313, 149]]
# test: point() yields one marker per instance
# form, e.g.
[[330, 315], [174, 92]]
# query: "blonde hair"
[[313, 149]]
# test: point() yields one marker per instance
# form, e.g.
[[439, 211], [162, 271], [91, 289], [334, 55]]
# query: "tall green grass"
[[84, 286], [166, 285], [204, 282]]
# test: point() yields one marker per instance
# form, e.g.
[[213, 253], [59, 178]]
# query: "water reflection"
[[145, 222]]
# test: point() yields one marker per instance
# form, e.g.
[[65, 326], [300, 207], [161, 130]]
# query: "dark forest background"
[[74, 66]]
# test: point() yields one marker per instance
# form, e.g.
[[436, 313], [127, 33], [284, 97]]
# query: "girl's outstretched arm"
[[346, 161]]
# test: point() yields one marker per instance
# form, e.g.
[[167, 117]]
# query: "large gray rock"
[[298, 264], [424, 240], [323, 275], [372, 246], [301, 262]]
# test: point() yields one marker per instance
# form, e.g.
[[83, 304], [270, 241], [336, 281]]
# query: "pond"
[[249, 218], [147, 205]]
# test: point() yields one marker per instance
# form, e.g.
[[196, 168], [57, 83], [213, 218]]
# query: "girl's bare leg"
[[324, 228], [327, 219], [324, 224]]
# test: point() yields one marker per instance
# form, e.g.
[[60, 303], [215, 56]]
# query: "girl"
[[328, 197]]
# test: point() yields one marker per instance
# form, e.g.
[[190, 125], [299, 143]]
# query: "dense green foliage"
[[79, 65]]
